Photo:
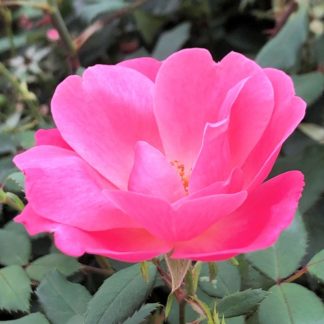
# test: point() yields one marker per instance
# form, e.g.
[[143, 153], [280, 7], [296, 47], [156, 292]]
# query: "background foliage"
[[38, 284]]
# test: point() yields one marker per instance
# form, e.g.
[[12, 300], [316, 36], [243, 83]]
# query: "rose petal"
[[288, 113], [125, 244], [152, 174], [145, 65], [177, 222], [184, 102], [65, 189], [111, 109], [50, 137], [256, 225]]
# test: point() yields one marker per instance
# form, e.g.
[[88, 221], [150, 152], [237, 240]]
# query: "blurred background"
[[41, 42]]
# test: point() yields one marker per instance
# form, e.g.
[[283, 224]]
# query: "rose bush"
[[153, 157]]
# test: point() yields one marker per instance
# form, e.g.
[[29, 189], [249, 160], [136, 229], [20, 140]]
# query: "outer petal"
[[146, 65], [182, 221], [65, 189], [34, 223], [288, 113], [256, 225], [103, 114], [153, 175], [51, 137], [125, 244], [232, 69], [185, 102]]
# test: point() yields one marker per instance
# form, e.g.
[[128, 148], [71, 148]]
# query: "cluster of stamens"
[[181, 171]]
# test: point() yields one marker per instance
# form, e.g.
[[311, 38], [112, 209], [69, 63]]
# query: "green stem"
[[182, 312], [104, 263], [65, 36], [27, 97], [35, 5], [7, 18]]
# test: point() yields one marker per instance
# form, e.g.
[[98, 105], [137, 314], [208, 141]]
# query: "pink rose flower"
[[153, 157], [53, 35]]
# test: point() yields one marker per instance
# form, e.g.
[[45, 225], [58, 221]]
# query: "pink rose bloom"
[[53, 35], [154, 157]]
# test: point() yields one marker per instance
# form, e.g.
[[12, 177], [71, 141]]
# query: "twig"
[[36, 5], [65, 36], [281, 20], [296, 275], [100, 23], [104, 272]]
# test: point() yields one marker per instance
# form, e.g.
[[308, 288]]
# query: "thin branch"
[[65, 36], [36, 5], [100, 23], [296, 275]]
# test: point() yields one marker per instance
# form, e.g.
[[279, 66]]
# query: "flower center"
[[181, 171]]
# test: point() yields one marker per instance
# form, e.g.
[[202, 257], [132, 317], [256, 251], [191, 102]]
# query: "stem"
[[41, 6], [28, 97], [296, 275], [65, 36], [182, 312], [100, 23], [7, 17], [104, 272], [104, 263]]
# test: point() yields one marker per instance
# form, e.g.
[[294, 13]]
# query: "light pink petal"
[[288, 113], [232, 69], [183, 220], [249, 116], [33, 222], [125, 244], [185, 102], [194, 216], [50, 137], [103, 114], [63, 188], [145, 65], [153, 175], [152, 213], [234, 183], [256, 225], [214, 159]]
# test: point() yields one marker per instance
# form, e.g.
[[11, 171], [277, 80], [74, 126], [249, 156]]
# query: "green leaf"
[[235, 320], [282, 259], [119, 296], [63, 263], [240, 303], [171, 41], [227, 282], [26, 139], [311, 162], [283, 50], [291, 303], [309, 86], [19, 41], [93, 9], [316, 265], [15, 248], [62, 299], [15, 181], [15, 289], [140, 315], [148, 25], [35, 318]]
